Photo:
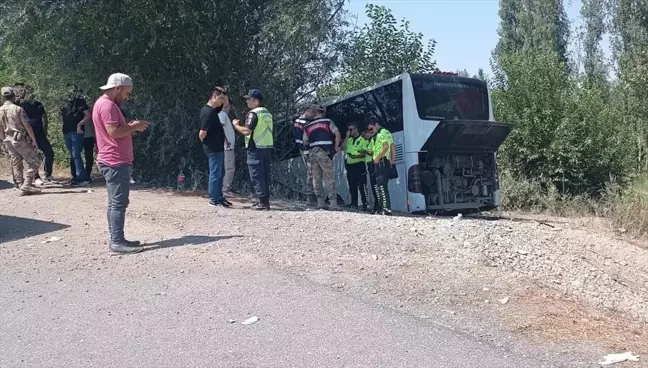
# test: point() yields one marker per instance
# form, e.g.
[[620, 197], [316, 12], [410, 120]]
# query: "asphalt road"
[[91, 320], [68, 303]]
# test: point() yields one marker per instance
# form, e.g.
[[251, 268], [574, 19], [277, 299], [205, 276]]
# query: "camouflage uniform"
[[310, 192], [322, 167], [13, 120]]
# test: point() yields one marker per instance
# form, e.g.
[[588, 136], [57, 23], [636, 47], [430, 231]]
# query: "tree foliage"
[[382, 49], [571, 128], [176, 51]]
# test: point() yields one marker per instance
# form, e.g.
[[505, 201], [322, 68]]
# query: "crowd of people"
[[23, 121]]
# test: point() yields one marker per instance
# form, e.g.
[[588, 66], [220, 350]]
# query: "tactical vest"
[[299, 132], [320, 134], [262, 134]]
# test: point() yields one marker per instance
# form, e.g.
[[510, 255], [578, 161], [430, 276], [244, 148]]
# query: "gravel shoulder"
[[557, 291]]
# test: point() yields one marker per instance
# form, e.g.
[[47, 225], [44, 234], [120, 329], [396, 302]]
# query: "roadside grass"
[[626, 209]]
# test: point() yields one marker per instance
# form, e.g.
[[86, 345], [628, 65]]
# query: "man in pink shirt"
[[115, 159]]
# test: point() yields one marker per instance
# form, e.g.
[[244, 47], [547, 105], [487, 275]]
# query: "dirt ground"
[[510, 279]]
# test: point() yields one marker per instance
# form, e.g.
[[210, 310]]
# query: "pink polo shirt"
[[112, 151]]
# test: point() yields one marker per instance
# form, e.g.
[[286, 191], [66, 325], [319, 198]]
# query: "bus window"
[[384, 103], [389, 105], [450, 98]]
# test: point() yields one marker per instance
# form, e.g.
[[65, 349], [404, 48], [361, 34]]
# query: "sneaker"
[[132, 181], [260, 207], [386, 213], [39, 182], [226, 202], [49, 180], [84, 183], [133, 243], [124, 249], [229, 193], [220, 203]]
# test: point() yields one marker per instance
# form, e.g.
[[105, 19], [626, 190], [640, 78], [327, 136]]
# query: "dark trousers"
[[45, 146], [357, 178], [118, 188], [258, 161], [371, 168], [88, 152], [381, 179]]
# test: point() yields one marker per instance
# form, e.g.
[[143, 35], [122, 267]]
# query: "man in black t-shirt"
[[212, 136], [38, 121], [75, 113]]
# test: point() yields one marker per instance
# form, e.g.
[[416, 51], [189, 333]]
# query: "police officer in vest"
[[355, 145], [299, 124], [383, 159], [323, 138], [259, 143]]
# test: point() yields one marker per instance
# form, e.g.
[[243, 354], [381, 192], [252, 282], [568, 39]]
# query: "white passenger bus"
[[445, 137]]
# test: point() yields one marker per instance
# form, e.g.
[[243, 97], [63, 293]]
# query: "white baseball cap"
[[116, 80]]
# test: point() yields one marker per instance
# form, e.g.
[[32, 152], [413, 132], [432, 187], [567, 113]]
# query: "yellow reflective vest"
[[354, 146], [262, 133]]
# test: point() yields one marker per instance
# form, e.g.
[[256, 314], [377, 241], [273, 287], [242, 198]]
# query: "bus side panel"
[[341, 183], [416, 200], [398, 187], [414, 135]]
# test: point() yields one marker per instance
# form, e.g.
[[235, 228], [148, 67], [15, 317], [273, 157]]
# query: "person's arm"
[[392, 153], [250, 123], [44, 119], [383, 151], [343, 147], [24, 120], [87, 117], [110, 117], [305, 139], [338, 136], [224, 120], [204, 126]]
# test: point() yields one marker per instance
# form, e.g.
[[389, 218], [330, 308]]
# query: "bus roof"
[[334, 100]]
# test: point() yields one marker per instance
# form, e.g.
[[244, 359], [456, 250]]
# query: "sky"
[[465, 30]]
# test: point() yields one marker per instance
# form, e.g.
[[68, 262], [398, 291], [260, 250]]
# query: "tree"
[[382, 49], [176, 51]]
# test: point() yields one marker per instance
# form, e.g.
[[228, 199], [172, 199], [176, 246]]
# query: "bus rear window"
[[450, 98]]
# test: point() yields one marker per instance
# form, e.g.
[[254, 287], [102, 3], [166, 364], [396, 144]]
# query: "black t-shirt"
[[35, 112], [210, 122], [72, 114]]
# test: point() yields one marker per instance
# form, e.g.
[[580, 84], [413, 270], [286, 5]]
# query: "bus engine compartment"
[[459, 181], [457, 168]]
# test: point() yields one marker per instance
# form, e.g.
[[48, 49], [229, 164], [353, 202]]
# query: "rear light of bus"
[[414, 179]]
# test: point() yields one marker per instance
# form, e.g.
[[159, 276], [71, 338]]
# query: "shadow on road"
[[15, 228], [188, 240], [5, 184]]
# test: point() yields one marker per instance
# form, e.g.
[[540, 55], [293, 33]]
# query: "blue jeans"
[[74, 144], [216, 164], [118, 188]]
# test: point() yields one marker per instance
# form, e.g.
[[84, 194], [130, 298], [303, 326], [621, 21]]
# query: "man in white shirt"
[[230, 139]]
